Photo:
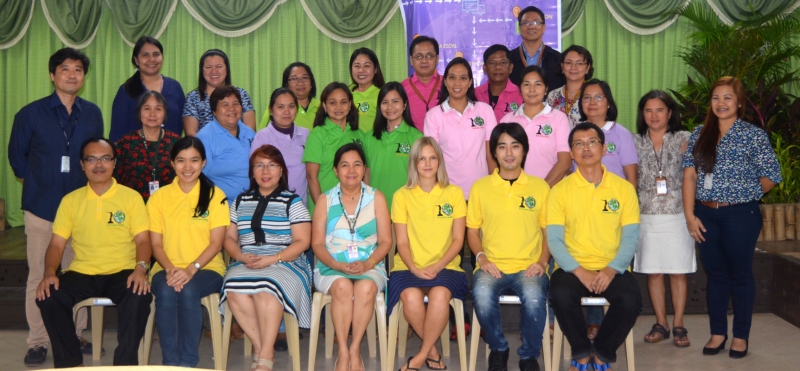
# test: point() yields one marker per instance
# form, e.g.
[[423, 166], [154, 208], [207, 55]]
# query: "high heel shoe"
[[740, 353], [713, 351]]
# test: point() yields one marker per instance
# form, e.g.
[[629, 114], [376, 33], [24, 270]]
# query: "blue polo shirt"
[[38, 141], [123, 111], [227, 157]]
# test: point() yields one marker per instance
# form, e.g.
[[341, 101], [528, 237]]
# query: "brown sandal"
[[592, 331], [656, 334], [680, 339]]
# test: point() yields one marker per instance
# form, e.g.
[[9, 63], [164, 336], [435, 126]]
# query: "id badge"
[[708, 181], [352, 252], [661, 186], [64, 164], [153, 186]]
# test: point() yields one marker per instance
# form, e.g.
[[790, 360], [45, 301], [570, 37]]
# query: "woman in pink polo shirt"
[[462, 126], [547, 129]]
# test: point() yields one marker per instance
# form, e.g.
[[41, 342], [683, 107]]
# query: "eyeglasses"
[[502, 64], [531, 23], [93, 160], [295, 80], [578, 64], [429, 56], [270, 166], [596, 98], [590, 143]]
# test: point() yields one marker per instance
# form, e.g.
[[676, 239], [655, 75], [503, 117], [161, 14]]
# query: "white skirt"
[[323, 283], [665, 246]]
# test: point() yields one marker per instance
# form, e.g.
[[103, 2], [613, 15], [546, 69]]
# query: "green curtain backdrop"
[[571, 13], [74, 21], [730, 11], [350, 21], [14, 20], [257, 62], [645, 17], [231, 18], [137, 18]]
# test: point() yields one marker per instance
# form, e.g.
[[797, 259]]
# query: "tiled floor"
[[774, 345]]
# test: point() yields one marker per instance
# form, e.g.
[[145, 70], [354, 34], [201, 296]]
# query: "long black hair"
[[444, 94], [206, 185], [288, 72], [381, 123], [674, 123], [377, 80], [201, 81], [274, 98], [352, 116], [133, 86]]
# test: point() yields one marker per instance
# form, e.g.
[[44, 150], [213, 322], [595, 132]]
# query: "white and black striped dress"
[[264, 225]]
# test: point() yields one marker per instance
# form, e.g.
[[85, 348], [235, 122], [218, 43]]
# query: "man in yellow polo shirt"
[[592, 230], [108, 225], [508, 207]]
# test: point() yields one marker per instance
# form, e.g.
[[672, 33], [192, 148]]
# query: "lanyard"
[[64, 128], [525, 60], [659, 154], [154, 160], [567, 103], [433, 90], [351, 222]]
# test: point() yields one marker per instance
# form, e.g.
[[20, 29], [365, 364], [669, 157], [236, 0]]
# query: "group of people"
[[530, 170]]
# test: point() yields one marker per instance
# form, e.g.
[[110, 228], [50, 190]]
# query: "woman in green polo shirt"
[[298, 78], [365, 71], [390, 140]]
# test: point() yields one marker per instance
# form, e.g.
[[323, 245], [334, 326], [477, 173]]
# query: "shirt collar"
[[90, 195], [415, 79], [446, 106], [608, 125], [177, 192], [521, 111], [497, 180], [582, 182], [330, 125], [418, 192], [55, 101]]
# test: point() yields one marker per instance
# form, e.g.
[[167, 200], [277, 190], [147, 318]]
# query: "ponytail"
[[205, 196]]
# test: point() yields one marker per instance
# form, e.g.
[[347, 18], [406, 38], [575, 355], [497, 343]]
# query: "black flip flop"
[[439, 361]]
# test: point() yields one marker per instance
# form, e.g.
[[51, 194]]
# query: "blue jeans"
[[179, 316], [532, 291]]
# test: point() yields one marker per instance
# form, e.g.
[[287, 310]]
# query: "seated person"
[[512, 256], [108, 226], [592, 231]]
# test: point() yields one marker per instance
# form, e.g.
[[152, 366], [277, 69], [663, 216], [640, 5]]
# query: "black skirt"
[[454, 281]]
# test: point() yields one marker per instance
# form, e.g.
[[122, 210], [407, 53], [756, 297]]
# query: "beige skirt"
[[665, 246]]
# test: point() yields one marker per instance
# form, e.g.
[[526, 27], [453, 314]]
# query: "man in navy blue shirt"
[[44, 152]]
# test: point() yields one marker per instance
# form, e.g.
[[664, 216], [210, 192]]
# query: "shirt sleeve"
[[265, 119], [399, 207], [629, 214], [562, 129], [190, 107], [234, 214], [491, 120], [628, 155], [259, 140], [63, 223], [298, 212], [460, 204], [154, 213], [764, 158], [543, 212], [432, 125], [140, 220], [218, 210], [688, 156], [247, 104], [19, 143], [313, 151], [627, 247], [207, 139], [474, 212], [558, 248]]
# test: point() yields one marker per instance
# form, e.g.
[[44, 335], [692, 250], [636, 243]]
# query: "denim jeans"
[[179, 316], [532, 292]]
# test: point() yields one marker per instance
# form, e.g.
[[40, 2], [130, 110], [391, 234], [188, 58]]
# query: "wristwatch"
[[196, 265], [144, 265]]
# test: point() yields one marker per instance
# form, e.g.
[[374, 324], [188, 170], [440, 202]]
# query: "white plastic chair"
[[292, 337], [97, 306]]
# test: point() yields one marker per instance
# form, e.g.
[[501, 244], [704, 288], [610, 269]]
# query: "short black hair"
[[274, 98], [68, 53], [514, 130], [539, 70], [584, 126], [97, 140], [583, 52], [144, 98], [611, 114], [494, 49], [221, 93], [674, 121], [347, 147], [423, 39], [288, 72], [530, 9]]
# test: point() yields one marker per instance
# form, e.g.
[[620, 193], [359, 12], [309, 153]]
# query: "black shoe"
[[530, 364], [498, 361], [714, 351], [35, 356], [86, 347], [739, 353], [280, 343]]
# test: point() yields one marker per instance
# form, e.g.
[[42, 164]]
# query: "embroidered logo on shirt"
[[611, 206], [477, 122], [545, 130], [611, 147], [445, 210], [527, 202], [363, 106], [403, 148], [203, 216], [511, 106], [117, 217]]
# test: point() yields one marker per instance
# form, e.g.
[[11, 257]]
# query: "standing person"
[[335, 125], [424, 84], [112, 259], [389, 143], [728, 166], [506, 232], [227, 142], [44, 152], [577, 65], [270, 228], [547, 129], [665, 246], [287, 136], [462, 125], [351, 234], [298, 78], [427, 262], [215, 71], [498, 91], [143, 154], [592, 232], [365, 71], [147, 59], [188, 220], [532, 50]]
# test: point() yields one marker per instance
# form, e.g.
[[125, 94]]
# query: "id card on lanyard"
[[65, 159], [152, 185]]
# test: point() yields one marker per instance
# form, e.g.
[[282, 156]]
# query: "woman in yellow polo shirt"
[[429, 221], [188, 219]]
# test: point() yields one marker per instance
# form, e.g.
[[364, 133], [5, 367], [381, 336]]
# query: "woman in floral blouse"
[[143, 155]]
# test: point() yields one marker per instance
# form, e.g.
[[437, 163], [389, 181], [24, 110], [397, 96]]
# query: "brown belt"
[[716, 205]]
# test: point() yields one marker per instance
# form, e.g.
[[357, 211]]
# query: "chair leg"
[[629, 351], [458, 306], [211, 303], [370, 334], [227, 322], [313, 336], [558, 338], [293, 337], [474, 339], [402, 330], [97, 332], [248, 345], [330, 334], [444, 338], [546, 351], [392, 338], [147, 339], [380, 314]]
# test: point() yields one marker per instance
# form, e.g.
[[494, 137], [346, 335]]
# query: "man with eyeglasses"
[[592, 232], [44, 153], [108, 225], [534, 51], [423, 86], [498, 91]]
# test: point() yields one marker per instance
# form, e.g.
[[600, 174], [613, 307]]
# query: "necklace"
[[568, 104]]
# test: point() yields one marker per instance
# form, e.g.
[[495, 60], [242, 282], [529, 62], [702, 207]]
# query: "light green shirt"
[[387, 158], [367, 105]]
